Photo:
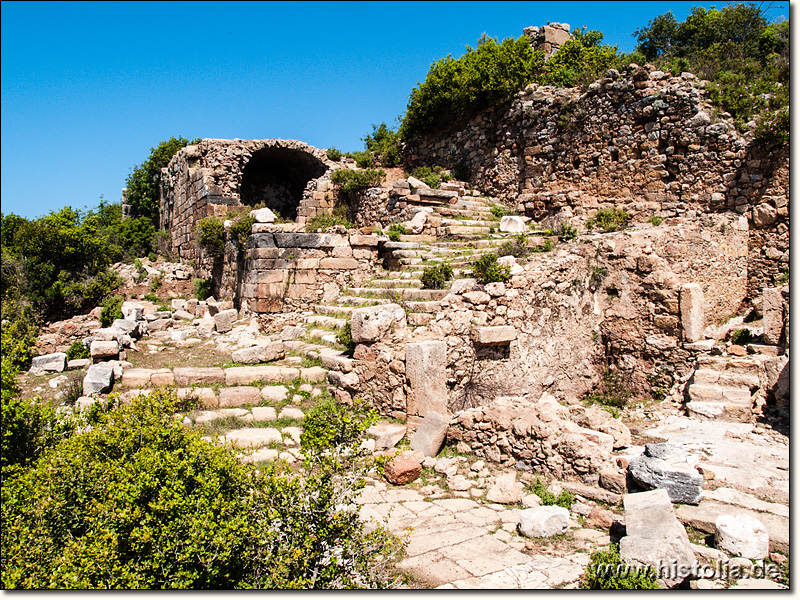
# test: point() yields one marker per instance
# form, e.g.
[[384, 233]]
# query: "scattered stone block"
[[259, 354], [425, 369], [132, 312], [543, 521], [692, 306], [402, 470], [55, 361], [387, 435], [741, 535], [599, 518], [430, 434], [664, 466], [99, 379], [79, 363], [348, 381], [102, 349], [505, 490], [263, 215], [512, 224], [223, 320], [183, 315], [370, 324]]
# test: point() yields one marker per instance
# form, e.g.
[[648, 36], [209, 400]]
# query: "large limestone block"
[[425, 368], [512, 224], [386, 434], [741, 535], [223, 320], [773, 315], [253, 437], [259, 354], [263, 215], [430, 435], [99, 379], [494, 336], [100, 349], [267, 374], [188, 376], [505, 489], [239, 396], [129, 326], [543, 521], [664, 466], [132, 312], [55, 361], [136, 378], [371, 323], [692, 305]]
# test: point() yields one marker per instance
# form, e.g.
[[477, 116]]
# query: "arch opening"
[[277, 177]]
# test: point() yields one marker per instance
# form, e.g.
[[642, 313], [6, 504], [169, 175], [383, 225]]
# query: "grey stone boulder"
[[259, 354], [99, 379], [430, 435], [132, 312], [102, 349], [56, 361], [371, 323], [664, 466], [223, 320], [543, 521], [132, 328]]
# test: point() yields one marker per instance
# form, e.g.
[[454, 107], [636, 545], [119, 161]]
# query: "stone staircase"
[[724, 388]]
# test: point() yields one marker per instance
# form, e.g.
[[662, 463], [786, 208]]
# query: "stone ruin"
[[507, 364]]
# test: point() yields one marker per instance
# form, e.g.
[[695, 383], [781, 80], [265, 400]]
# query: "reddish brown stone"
[[364, 352], [402, 470], [599, 518]]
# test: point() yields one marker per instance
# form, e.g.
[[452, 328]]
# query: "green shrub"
[[240, 230], [486, 269], [610, 393], [364, 160], [609, 219], [329, 424], [567, 232], [345, 338], [607, 572], [498, 211], [742, 337], [434, 278], [152, 297], [350, 181], [564, 499], [203, 288], [77, 350], [432, 177], [655, 220], [333, 154], [461, 171], [136, 236], [395, 231], [323, 222], [139, 501], [384, 143], [212, 236], [517, 248], [773, 127], [112, 310]]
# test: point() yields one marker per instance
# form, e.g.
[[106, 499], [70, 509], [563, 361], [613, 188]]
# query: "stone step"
[[326, 321], [469, 223], [699, 392], [727, 363], [728, 378], [323, 334], [464, 231], [405, 293], [418, 238], [359, 300], [719, 411], [430, 306], [328, 309], [419, 319], [395, 283]]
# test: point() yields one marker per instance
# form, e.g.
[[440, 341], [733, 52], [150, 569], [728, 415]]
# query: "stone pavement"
[[462, 543]]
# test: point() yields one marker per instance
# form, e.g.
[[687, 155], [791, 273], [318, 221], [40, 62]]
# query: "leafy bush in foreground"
[[486, 269], [434, 278], [139, 501], [609, 219]]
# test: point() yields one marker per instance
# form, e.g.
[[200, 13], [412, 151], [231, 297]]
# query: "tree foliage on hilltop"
[[744, 57], [143, 184]]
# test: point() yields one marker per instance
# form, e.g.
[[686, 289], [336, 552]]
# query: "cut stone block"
[[772, 308], [263, 215], [188, 376], [402, 470], [664, 466], [741, 535], [99, 379], [265, 373], [512, 224], [238, 396], [100, 349], [425, 369], [543, 521], [494, 336], [223, 320], [55, 361], [259, 354], [387, 435], [692, 306], [505, 490], [430, 435], [370, 324]]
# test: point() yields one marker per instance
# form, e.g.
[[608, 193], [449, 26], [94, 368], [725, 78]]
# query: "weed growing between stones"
[[563, 499], [395, 231], [609, 219], [607, 572], [610, 394], [655, 221], [486, 270], [434, 278], [567, 232], [742, 337], [345, 338]]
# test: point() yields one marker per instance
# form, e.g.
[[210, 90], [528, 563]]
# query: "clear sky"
[[88, 88]]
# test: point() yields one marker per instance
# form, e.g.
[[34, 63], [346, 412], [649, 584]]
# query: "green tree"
[[384, 143], [144, 181]]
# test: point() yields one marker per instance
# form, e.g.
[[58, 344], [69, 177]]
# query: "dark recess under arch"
[[277, 177]]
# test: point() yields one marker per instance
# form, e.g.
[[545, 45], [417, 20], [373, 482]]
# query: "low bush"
[[607, 572], [610, 393], [351, 181], [77, 350], [432, 177], [517, 248], [655, 220], [329, 424], [773, 127], [486, 269], [345, 338], [564, 499], [240, 230], [609, 219], [384, 143], [742, 337], [395, 231], [111, 311], [323, 222], [203, 288], [333, 154], [498, 212], [567, 232], [434, 278], [364, 160], [211, 236]]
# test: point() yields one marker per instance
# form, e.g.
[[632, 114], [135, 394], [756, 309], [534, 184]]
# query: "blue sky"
[[89, 88]]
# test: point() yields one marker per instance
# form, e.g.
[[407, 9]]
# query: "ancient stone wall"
[[215, 176], [641, 140]]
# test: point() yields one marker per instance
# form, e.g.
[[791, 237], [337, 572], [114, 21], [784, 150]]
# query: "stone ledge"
[[494, 336]]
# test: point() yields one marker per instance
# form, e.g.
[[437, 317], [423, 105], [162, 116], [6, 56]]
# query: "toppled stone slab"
[[101, 349], [402, 470], [505, 490], [741, 535], [259, 354], [55, 361], [99, 379], [664, 466], [655, 537], [387, 434], [494, 336], [430, 435], [543, 521], [370, 324]]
